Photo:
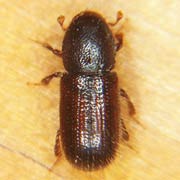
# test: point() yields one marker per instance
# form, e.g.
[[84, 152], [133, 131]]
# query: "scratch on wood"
[[28, 158]]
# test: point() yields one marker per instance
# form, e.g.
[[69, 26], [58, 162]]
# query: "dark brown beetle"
[[90, 123]]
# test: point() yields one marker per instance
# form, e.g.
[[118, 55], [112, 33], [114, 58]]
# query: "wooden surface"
[[148, 68]]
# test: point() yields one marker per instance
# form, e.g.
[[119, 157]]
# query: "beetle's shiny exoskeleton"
[[90, 123]]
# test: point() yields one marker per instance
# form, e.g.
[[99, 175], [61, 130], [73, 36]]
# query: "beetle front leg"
[[119, 38], [57, 52]]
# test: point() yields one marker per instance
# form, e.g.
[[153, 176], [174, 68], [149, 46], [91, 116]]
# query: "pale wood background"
[[148, 68]]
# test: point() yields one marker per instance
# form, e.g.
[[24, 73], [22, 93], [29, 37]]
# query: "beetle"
[[90, 121]]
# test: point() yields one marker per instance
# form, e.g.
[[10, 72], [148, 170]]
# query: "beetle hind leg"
[[57, 149], [123, 131]]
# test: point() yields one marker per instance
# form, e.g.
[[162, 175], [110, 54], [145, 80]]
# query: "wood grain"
[[148, 68]]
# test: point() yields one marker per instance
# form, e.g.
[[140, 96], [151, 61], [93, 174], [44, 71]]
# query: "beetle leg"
[[47, 79], [118, 18], [57, 52], [57, 150], [124, 133], [60, 20], [119, 38], [132, 110]]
